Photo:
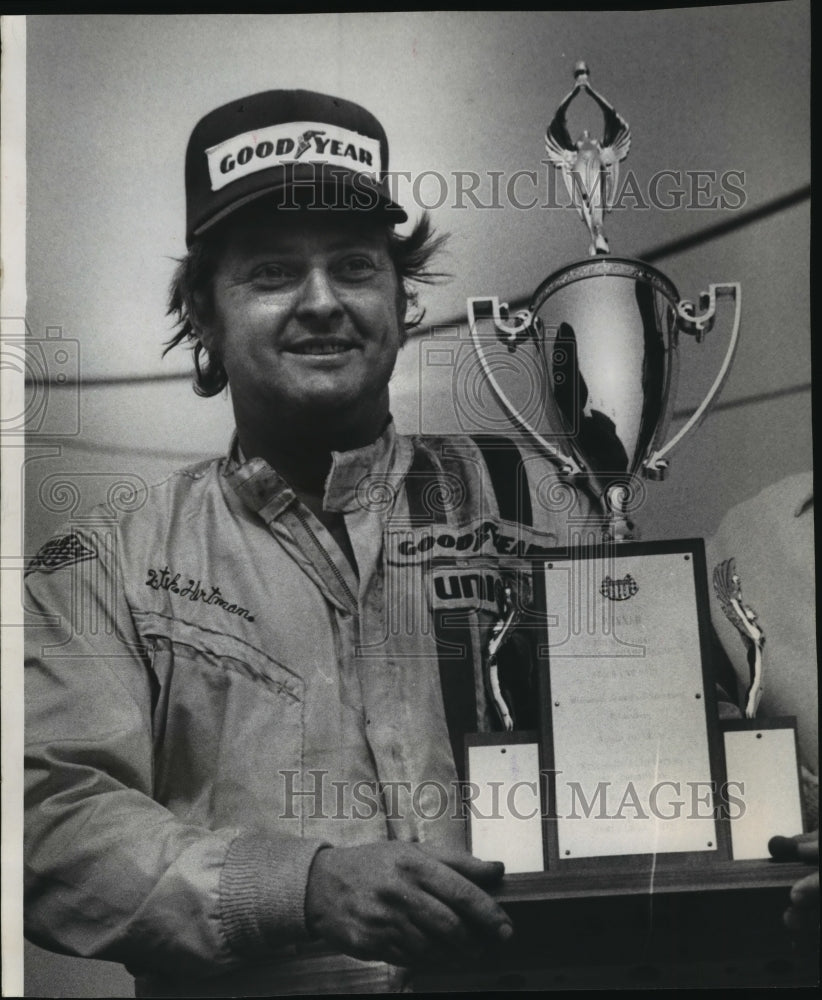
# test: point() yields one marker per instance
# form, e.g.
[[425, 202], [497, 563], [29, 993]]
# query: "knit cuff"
[[262, 892]]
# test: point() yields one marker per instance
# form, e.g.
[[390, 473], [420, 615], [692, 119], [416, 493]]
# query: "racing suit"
[[213, 693]]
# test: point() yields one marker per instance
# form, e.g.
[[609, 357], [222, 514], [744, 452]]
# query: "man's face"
[[307, 317]]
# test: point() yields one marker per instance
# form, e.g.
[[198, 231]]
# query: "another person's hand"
[[802, 916], [404, 903]]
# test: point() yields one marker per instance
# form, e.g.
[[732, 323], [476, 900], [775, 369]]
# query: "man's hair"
[[190, 292]]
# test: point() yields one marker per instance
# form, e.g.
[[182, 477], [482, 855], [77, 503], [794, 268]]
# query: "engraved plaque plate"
[[632, 730], [505, 812], [763, 778]]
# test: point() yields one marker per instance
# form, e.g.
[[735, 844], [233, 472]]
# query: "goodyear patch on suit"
[[480, 537]]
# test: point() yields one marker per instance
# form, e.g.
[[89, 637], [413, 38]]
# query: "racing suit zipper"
[[332, 565]]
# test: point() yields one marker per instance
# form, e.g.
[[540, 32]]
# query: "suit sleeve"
[[109, 872]]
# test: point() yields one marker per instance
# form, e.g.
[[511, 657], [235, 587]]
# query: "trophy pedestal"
[[645, 889], [720, 928]]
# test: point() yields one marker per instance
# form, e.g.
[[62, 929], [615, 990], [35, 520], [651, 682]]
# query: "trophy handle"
[[512, 333], [656, 465]]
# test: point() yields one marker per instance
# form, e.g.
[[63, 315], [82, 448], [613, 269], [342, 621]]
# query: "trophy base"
[[614, 898], [671, 931], [722, 877]]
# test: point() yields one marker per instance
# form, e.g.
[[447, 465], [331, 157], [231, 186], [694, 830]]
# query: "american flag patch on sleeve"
[[67, 550]]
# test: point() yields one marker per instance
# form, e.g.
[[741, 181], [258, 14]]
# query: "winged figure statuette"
[[742, 616], [590, 168]]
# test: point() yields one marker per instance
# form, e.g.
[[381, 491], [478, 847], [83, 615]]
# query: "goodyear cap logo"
[[306, 142], [279, 141]]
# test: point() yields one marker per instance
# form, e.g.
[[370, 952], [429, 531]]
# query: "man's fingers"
[[442, 924], [395, 901], [427, 931], [467, 899], [793, 919], [485, 873], [806, 891], [807, 846], [802, 847], [411, 946]]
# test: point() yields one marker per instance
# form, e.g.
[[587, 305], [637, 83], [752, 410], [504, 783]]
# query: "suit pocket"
[[227, 727]]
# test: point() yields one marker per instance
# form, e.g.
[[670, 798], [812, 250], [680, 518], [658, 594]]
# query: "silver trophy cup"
[[589, 369]]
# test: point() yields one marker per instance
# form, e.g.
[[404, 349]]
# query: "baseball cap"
[[303, 147]]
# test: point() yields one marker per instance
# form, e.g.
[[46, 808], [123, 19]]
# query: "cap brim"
[[320, 188]]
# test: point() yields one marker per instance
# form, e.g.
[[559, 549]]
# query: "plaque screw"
[[687, 558], [710, 843], [567, 852], [697, 696], [759, 736], [503, 750], [556, 704]]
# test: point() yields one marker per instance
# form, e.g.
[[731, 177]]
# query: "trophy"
[[604, 335], [627, 699], [623, 807]]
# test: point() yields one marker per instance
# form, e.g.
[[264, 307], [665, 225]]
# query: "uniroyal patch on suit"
[[470, 589], [292, 142]]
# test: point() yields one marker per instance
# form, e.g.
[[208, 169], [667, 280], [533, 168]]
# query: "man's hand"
[[404, 903], [802, 916]]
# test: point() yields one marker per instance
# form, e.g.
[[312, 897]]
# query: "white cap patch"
[[292, 142]]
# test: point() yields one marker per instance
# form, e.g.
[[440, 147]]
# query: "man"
[[247, 697], [250, 671]]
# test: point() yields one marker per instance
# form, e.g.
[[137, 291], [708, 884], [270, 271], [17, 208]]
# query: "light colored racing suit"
[[213, 693]]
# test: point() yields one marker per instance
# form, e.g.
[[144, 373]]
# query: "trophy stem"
[[620, 527]]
